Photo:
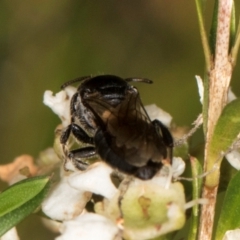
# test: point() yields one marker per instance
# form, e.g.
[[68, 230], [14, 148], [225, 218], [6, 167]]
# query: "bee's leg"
[[78, 156], [63, 140], [65, 134], [148, 171], [72, 106], [166, 135], [80, 134]]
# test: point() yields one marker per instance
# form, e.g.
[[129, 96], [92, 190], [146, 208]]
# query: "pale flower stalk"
[[10, 235]]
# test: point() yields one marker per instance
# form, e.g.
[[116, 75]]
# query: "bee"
[[108, 116]]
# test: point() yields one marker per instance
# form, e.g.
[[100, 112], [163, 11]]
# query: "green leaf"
[[197, 184], [206, 48], [21, 199], [232, 28], [213, 31], [227, 128], [225, 132], [229, 218], [235, 47]]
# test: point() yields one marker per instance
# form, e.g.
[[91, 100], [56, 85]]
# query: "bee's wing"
[[132, 136]]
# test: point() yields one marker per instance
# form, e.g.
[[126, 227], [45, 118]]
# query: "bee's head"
[[111, 88]]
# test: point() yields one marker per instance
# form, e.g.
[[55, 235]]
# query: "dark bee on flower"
[[107, 115]]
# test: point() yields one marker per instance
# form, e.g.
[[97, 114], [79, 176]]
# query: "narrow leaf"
[[235, 47], [213, 31], [225, 132], [227, 128], [206, 48], [232, 28], [20, 200], [20, 193], [229, 218], [197, 183]]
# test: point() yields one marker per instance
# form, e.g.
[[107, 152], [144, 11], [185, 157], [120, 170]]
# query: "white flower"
[[234, 159], [155, 112], [232, 235], [60, 103], [150, 208], [200, 88], [178, 167], [89, 226], [231, 95], [65, 202], [95, 179], [69, 197]]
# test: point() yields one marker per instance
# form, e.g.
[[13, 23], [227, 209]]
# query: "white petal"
[[60, 103], [89, 226], [234, 159], [231, 95], [155, 112], [232, 235], [65, 202], [95, 179], [200, 87], [178, 166]]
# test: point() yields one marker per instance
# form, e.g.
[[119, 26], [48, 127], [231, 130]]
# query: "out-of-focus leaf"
[[235, 46], [232, 27], [201, 5], [19, 200], [229, 218], [206, 48], [213, 31]]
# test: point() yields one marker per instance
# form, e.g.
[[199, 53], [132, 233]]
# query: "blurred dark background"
[[46, 43]]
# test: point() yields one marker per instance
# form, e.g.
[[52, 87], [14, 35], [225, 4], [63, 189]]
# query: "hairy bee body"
[[108, 115]]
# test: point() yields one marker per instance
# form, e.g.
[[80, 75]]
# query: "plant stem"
[[219, 79]]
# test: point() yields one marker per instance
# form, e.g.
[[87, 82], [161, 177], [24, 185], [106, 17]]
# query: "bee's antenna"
[[145, 80], [74, 81]]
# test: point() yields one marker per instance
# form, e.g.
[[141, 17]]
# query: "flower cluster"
[[148, 208], [100, 203]]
